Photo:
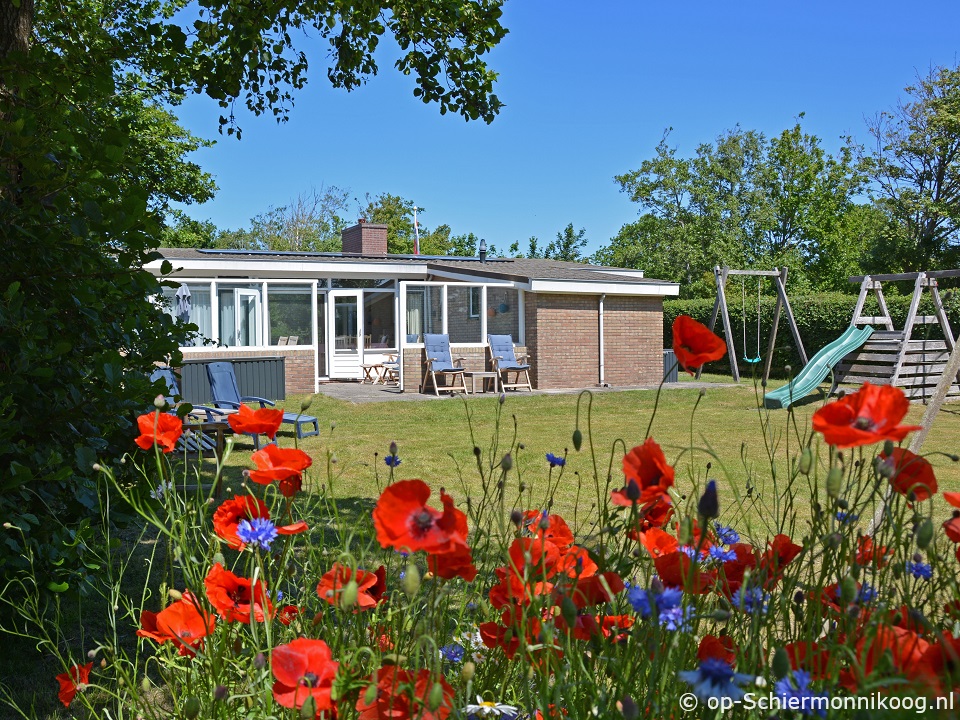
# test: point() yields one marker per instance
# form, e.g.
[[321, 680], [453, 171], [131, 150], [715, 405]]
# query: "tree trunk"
[[16, 22]]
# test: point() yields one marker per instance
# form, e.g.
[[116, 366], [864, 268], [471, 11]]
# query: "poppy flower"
[[695, 344], [287, 613], [576, 562], [870, 415], [231, 512], [869, 553], [404, 521], [911, 474], [589, 626], [235, 598], [953, 498], [780, 552], [371, 586], [264, 421], [507, 633], [646, 466], [70, 682], [593, 590], [659, 542], [810, 657], [735, 570], [952, 529], [677, 570], [303, 668], [557, 530], [183, 622], [162, 429], [457, 563], [400, 696], [904, 647], [279, 464], [721, 648]]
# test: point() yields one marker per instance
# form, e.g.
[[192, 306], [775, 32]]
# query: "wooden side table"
[[484, 376]]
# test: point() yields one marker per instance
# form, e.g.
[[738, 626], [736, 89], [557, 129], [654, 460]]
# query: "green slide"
[[818, 368]]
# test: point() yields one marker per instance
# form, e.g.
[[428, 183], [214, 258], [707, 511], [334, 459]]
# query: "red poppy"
[[533, 563], [557, 530], [404, 521], [719, 648], [235, 598], [576, 562], [303, 668], [163, 429], [659, 542], [287, 613], [184, 623], [279, 464], [457, 563], [952, 528], [75, 679], [904, 647], [400, 696], [780, 552], [735, 570], [869, 553], [227, 518], [952, 498], [676, 569], [941, 661], [809, 656], [589, 626], [371, 586], [695, 344], [594, 590], [868, 416], [264, 421], [647, 467], [507, 633], [911, 474]]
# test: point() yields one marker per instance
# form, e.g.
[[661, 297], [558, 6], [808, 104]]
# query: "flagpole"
[[416, 233]]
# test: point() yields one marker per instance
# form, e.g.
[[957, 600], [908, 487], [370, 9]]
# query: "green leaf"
[[58, 587]]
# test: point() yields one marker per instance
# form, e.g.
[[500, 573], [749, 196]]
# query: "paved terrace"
[[356, 393]]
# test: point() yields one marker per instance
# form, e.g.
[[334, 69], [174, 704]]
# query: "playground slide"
[[818, 368]]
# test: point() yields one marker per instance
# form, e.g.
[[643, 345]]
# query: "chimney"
[[365, 239]]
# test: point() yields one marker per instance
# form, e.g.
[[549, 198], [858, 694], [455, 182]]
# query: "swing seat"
[[752, 360]]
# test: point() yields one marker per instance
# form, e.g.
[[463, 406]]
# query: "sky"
[[589, 88]]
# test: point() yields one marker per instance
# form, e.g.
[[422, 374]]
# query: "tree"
[[311, 222], [915, 165], [567, 246]]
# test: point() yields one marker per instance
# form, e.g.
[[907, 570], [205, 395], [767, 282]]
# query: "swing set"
[[779, 278]]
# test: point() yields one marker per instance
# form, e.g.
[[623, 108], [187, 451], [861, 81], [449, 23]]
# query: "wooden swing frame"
[[779, 278]]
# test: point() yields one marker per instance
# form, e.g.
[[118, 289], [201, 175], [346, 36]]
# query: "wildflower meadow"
[[675, 591]]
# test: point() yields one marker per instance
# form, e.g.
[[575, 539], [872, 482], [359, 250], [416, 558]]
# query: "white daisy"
[[489, 709]]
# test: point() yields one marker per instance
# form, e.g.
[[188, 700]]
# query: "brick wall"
[[475, 358], [298, 367], [563, 339]]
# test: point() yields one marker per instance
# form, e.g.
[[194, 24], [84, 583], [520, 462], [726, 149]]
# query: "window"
[[290, 313], [194, 308], [240, 316], [378, 321], [474, 302], [424, 311]]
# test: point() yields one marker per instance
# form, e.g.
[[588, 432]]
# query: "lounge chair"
[[226, 395], [439, 361], [504, 360], [194, 441]]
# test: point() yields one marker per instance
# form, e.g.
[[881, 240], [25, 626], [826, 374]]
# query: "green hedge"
[[820, 318]]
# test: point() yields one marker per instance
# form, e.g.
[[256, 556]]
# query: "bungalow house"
[[582, 325]]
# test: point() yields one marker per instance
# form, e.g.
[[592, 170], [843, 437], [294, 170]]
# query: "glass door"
[[346, 329], [247, 308], [321, 334]]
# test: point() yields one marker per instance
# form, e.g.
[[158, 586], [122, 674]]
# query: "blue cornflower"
[[690, 551], [667, 604], [722, 555], [452, 652], [847, 518], [920, 570], [715, 678], [392, 461], [795, 694], [726, 535], [555, 461], [257, 533], [750, 599], [676, 618]]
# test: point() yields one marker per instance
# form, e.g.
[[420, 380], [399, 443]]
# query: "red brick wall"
[[365, 239], [562, 333], [298, 365]]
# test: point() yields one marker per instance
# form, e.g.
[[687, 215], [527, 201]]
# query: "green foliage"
[[821, 319]]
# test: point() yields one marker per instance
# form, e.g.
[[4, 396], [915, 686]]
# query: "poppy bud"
[[888, 447], [103, 663], [833, 540], [806, 461], [476, 450], [468, 670], [842, 504], [259, 661], [657, 586], [628, 708], [220, 693], [436, 697], [393, 448], [191, 707], [633, 490], [709, 505], [924, 534], [516, 517], [370, 695], [502, 399], [848, 589], [781, 664], [159, 402], [720, 615], [218, 558], [348, 596], [507, 462], [569, 612], [146, 685], [308, 711], [685, 533], [411, 580], [834, 480], [174, 594], [306, 403], [577, 439], [544, 522]]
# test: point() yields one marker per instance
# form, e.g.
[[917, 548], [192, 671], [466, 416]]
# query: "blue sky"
[[589, 88]]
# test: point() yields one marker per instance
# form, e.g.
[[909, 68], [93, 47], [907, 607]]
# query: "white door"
[[346, 330], [247, 318]]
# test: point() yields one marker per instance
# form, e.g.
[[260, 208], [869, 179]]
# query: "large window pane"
[[345, 323], [322, 334], [290, 314], [424, 311], [463, 313], [503, 313], [240, 315], [378, 321], [192, 306]]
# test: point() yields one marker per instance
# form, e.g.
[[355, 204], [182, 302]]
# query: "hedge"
[[821, 318]]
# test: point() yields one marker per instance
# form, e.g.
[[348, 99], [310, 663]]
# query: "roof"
[[535, 274]]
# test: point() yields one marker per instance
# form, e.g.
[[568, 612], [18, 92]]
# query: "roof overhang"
[[578, 287], [293, 269]]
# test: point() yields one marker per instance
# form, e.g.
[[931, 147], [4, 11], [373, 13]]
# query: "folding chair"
[[439, 361], [504, 360]]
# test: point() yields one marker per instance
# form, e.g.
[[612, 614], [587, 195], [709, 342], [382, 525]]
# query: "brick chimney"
[[365, 239]]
